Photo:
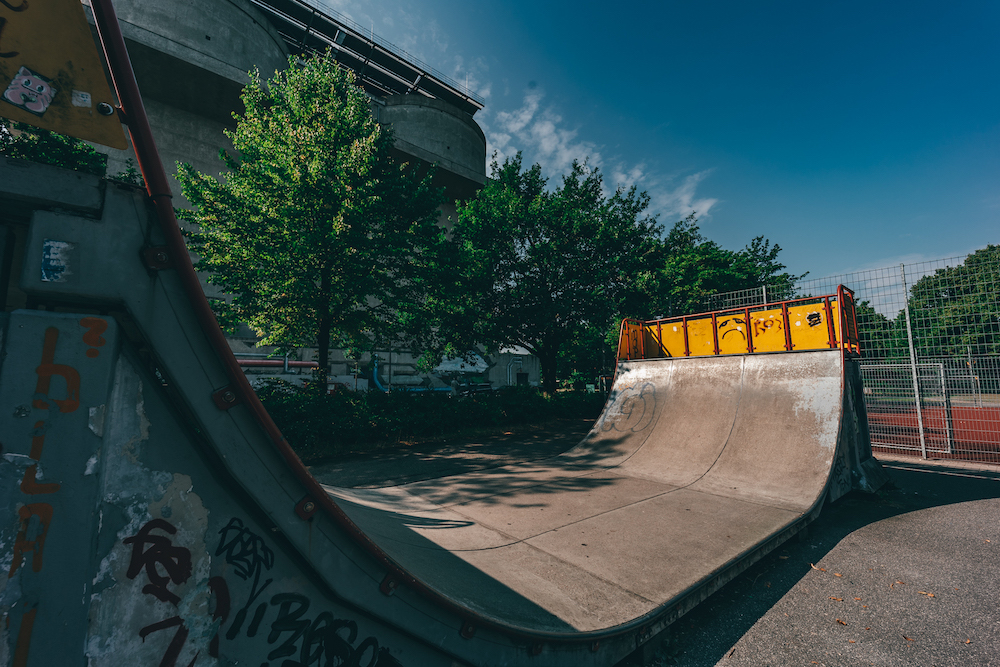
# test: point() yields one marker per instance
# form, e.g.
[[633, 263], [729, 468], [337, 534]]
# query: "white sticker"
[[82, 99]]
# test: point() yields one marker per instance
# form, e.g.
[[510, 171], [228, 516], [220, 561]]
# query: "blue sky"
[[853, 134]]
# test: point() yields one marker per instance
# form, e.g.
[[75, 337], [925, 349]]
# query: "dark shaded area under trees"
[[327, 426]]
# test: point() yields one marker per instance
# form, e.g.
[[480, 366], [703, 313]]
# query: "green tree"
[[538, 266], [317, 234], [880, 337], [24, 141], [958, 308], [686, 268]]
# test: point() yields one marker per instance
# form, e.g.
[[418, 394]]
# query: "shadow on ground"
[[430, 460]]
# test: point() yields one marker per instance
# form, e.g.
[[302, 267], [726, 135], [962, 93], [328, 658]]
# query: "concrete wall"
[[439, 134], [191, 60]]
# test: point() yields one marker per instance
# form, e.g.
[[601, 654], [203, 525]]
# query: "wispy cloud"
[[540, 133], [535, 127]]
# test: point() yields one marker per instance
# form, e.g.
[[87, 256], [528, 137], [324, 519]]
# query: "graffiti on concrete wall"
[[318, 640], [57, 393], [632, 409]]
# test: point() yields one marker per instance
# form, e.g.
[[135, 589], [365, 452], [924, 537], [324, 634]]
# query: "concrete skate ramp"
[[696, 468], [154, 513]]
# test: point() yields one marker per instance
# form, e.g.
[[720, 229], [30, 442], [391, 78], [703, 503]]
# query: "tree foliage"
[[957, 309], [24, 141], [317, 233], [537, 265], [686, 268]]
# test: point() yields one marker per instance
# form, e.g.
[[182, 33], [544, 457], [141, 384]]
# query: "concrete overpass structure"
[[192, 59]]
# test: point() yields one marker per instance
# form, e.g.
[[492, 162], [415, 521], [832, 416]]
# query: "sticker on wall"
[[30, 91], [51, 72], [56, 260]]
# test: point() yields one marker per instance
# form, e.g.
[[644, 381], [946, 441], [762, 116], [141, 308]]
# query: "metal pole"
[[949, 425], [763, 293], [913, 363], [974, 380]]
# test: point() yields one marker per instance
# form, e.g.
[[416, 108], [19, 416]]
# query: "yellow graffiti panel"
[[700, 336], [50, 71], [732, 329], [651, 344], [809, 327], [768, 330], [673, 338]]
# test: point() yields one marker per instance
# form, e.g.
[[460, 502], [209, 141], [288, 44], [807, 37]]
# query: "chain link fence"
[[930, 344]]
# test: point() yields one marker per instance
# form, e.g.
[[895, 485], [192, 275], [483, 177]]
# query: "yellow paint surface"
[[768, 329], [50, 71], [807, 325]]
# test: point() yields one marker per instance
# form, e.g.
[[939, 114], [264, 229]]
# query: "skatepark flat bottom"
[[694, 463]]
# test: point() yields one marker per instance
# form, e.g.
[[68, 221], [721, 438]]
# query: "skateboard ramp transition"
[[151, 517], [696, 468]]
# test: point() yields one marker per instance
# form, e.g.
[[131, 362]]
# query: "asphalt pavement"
[[908, 576]]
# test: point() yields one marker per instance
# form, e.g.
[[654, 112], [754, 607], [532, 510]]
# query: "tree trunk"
[[323, 335], [547, 359]]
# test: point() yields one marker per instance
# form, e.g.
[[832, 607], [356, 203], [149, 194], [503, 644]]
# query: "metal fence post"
[[949, 424], [913, 362]]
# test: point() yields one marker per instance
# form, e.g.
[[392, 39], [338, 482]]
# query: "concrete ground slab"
[[659, 547]]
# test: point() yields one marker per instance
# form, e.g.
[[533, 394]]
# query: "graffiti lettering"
[[176, 644], [249, 555], [35, 520], [287, 621], [95, 327], [6, 54], [814, 319], [255, 622], [633, 409], [30, 484], [325, 641], [220, 592], [295, 639], [176, 561], [20, 8], [47, 369], [23, 646], [761, 326]]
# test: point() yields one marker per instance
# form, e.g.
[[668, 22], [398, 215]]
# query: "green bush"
[[38, 145], [329, 425]]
